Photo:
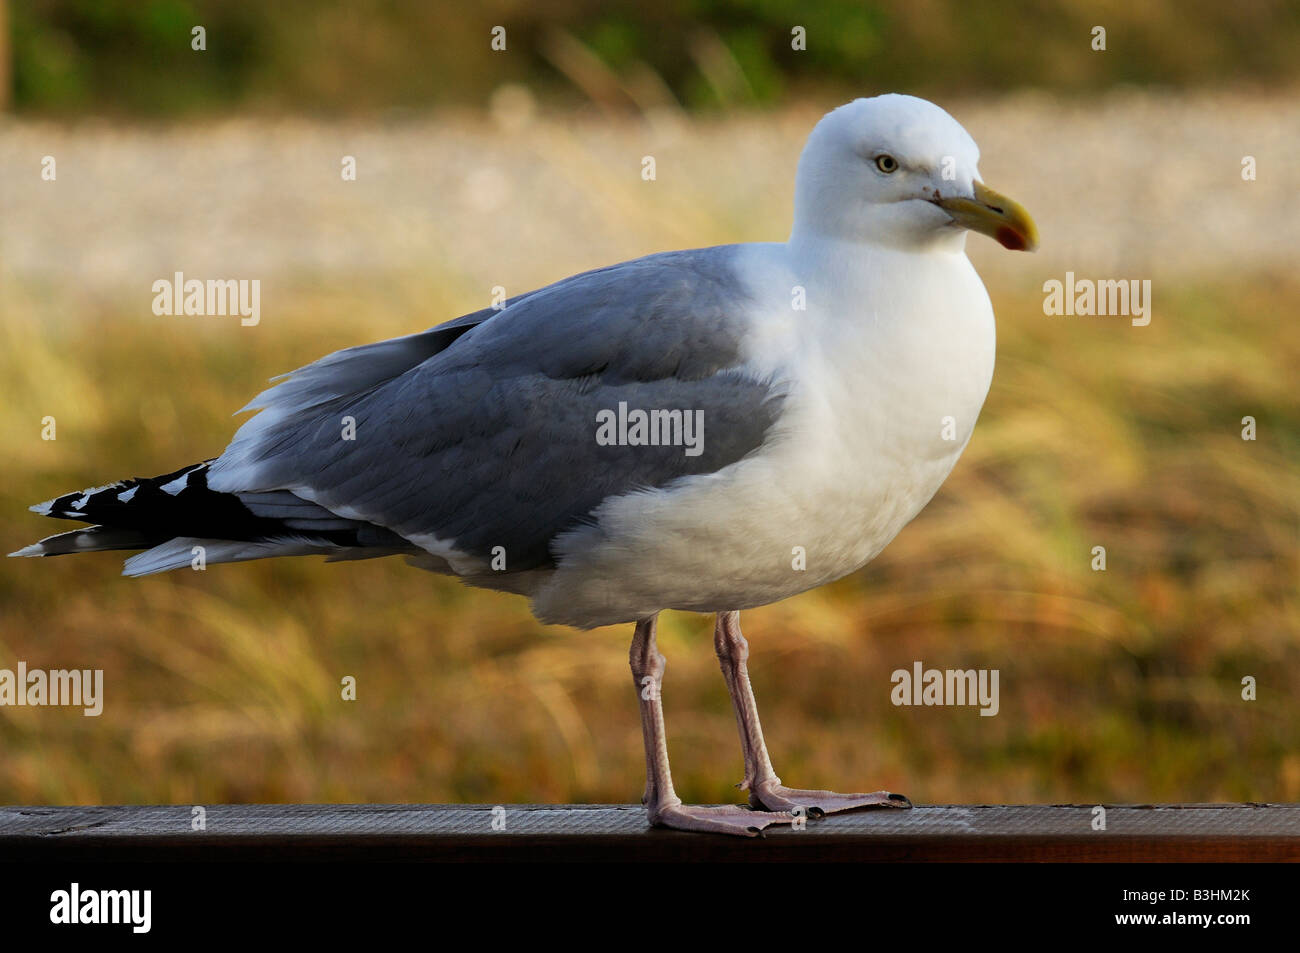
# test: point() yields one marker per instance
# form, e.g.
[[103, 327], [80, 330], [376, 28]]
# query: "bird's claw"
[[775, 796], [723, 819]]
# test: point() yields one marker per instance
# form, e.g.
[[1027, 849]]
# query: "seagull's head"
[[899, 171]]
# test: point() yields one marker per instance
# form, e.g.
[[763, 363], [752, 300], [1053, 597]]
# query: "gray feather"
[[487, 437]]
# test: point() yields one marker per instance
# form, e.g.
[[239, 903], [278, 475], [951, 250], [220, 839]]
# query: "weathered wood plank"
[[539, 832]]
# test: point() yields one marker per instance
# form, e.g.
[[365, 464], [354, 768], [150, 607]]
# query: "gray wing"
[[482, 432]]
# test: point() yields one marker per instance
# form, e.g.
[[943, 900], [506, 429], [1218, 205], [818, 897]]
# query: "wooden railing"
[[584, 832]]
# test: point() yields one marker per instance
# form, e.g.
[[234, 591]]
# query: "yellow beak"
[[989, 213]]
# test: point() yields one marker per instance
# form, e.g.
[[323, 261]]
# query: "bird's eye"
[[886, 164]]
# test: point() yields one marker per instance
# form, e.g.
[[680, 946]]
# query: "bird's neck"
[[811, 244]]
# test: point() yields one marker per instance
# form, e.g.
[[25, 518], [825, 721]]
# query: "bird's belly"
[[771, 527], [823, 520], [875, 420], [821, 500]]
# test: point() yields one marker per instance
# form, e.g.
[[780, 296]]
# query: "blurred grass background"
[[363, 56], [1121, 685]]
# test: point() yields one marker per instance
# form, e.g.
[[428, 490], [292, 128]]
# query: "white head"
[[899, 171]]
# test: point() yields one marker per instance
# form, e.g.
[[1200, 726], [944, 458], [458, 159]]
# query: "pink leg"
[[662, 803], [765, 789]]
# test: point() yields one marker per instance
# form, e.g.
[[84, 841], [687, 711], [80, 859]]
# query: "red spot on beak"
[[1010, 238]]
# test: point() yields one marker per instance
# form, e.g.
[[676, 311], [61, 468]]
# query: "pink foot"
[[724, 819], [775, 796]]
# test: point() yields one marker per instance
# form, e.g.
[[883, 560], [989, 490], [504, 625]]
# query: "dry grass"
[[1122, 685]]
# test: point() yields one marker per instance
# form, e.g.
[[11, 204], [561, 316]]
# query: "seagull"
[[707, 430]]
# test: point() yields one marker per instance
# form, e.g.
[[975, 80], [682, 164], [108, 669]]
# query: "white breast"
[[885, 377]]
